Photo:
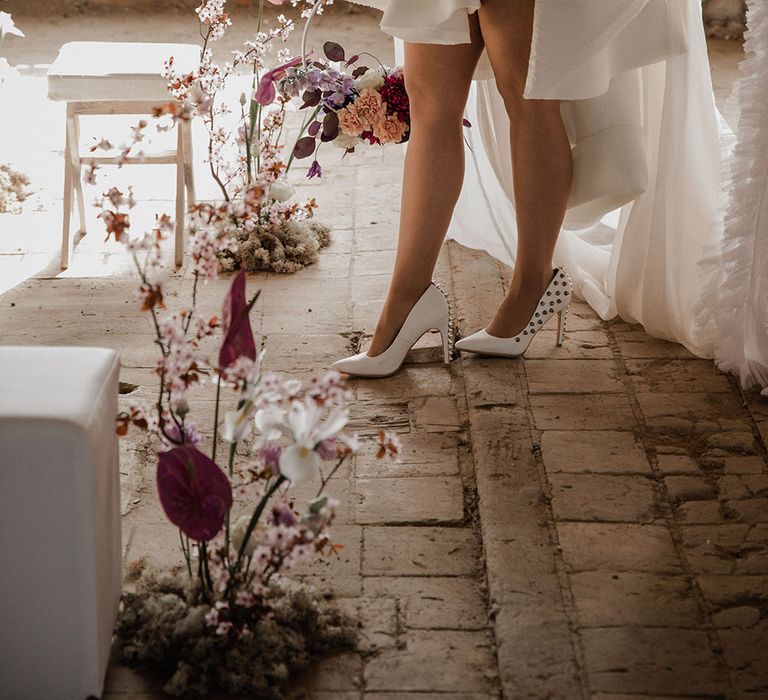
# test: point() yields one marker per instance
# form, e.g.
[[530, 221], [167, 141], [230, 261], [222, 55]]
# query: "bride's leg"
[[437, 78], [541, 160]]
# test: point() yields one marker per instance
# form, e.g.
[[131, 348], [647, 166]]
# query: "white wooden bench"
[[104, 78]]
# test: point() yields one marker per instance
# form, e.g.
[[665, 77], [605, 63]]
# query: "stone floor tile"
[[433, 602], [421, 454], [377, 621], [434, 414], [746, 654], [394, 695], [626, 599], [552, 376], [434, 661], [419, 551], [637, 345], [411, 381], [594, 451], [578, 345], [428, 499], [721, 409], [650, 660], [601, 498], [714, 549], [574, 412], [678, 464], [340, 673], [689, 488], [618, 547], [676, 376], [487, 382]]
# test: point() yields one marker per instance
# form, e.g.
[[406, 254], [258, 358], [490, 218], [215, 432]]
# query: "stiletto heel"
[[561, 316], [555, 300], [431, 311]]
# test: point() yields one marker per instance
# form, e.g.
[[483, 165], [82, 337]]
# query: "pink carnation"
[[350, 122], [389, 129], [370, 107]]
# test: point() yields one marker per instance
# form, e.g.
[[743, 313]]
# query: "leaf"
[[311, 98], [333, 51], [313, 128], [304, 147], [362, 70], [330, 127]]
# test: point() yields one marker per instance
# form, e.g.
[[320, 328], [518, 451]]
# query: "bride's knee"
[[433, 101]]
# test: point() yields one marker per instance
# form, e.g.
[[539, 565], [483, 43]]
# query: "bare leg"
[[438, 79], [541, 161]]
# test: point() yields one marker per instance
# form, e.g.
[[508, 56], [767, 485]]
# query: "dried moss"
[[163, 625], [13, 190], [285, 247]]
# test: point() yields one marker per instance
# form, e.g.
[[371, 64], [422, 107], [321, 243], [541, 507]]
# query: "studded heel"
[[555, 301], [432, 310]]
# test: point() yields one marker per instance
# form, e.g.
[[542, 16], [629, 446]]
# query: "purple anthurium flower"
[[194, 492], [266, 92], [238, 336]]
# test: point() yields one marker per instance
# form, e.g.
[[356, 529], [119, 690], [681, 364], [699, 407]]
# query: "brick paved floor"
[[590, 522]]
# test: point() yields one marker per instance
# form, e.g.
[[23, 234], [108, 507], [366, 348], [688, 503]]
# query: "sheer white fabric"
[[638, 104], [741, 265]]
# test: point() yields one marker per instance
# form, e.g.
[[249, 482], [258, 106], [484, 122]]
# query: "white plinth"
[[60, 546]]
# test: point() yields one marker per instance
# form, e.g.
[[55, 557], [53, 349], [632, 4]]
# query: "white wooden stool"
[[60, 540], [95, 77]]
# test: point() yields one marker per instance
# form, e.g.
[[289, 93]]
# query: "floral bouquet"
[[366, 105]]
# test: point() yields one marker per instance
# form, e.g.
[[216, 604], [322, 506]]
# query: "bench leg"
[[78, 174], [181, 208], [189, 173], [66, 239]]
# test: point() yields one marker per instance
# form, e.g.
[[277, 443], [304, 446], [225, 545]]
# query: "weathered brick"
[[433, 602], [618, 547], [601, 498], [650, 660], [574, 412], [434, 414], [601, 451], [689, 488], [428, 499], [572, 376], [419, 551], [433, 661], [625, 599], [678, 464]]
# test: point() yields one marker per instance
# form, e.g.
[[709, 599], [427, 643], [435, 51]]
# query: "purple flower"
[[270, 455], [314, 170], [283, 515], [327, 448], [194, 492], [238, 336]]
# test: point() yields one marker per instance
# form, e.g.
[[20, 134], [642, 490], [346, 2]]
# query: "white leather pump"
[[555, 300], [431, 311]]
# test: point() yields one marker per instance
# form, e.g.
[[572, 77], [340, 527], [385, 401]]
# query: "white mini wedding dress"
[[637, 100]]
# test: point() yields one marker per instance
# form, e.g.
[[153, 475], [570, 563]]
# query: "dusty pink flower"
[[370, 107], [238, 336], [194, 492], [350, 122], [389, 129]]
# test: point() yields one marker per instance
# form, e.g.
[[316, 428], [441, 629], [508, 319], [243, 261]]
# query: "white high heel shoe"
[[555, 300], [432, 310]]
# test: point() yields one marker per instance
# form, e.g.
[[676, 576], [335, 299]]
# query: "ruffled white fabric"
[[638, 104], [740, 284]]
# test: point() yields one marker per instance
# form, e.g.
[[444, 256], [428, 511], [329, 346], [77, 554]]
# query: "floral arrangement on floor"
[[232, 618], [13, 184]]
